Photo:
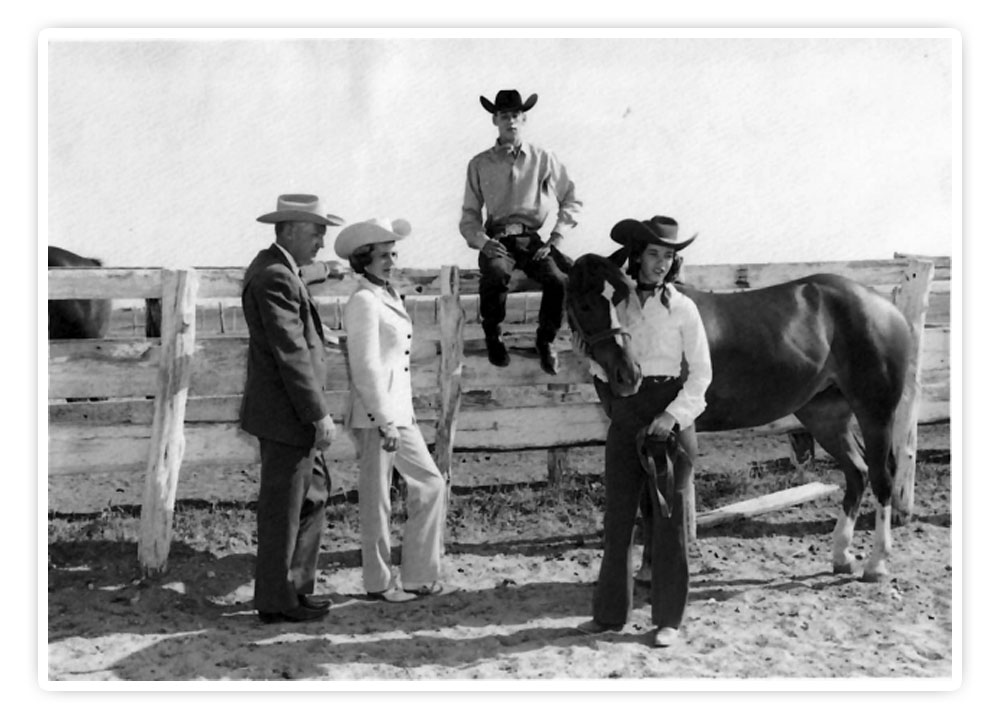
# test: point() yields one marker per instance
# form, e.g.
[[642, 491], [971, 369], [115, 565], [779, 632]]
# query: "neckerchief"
[[652, 288]]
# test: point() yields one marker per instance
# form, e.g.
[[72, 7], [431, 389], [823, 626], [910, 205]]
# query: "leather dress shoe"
[[497, 351], [314, 603], [595, 627], [547, 356], [298, 614]]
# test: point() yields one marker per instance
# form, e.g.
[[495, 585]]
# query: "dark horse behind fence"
[[76, 319], [823, 348]]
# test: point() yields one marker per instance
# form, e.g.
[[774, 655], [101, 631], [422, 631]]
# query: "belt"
[[659, 379], [510, 230]]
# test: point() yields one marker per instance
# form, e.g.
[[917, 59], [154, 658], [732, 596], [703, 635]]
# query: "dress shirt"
[[661, 337], [513, 182]]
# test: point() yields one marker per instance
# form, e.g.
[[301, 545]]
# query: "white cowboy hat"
[[369, 232], [300, 208]]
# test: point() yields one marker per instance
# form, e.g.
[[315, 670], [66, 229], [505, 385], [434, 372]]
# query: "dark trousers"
[[494, 279], [624, 483], [294, 487]]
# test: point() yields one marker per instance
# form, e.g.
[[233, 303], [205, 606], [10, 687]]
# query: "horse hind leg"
[[882, 471], [829, 419]]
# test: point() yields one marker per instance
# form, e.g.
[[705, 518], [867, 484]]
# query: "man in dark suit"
[[284, 407]]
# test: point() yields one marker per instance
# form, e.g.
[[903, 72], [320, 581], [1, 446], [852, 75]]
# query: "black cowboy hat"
[[507, 101], [659, 229]]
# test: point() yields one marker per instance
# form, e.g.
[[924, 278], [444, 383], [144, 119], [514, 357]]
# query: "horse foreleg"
[[843, 534]]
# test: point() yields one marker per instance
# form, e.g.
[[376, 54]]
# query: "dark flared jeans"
[[624, 483], [494, 279]]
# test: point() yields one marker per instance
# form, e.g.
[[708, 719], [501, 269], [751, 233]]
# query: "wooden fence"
[[176, 398]]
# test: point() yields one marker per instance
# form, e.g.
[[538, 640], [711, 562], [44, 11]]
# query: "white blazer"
[[379, 336]]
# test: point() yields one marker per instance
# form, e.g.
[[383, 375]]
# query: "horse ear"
[[619, 283], [619, 256]]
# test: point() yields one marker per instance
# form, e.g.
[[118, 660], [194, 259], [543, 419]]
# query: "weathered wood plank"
[[523, 428], [767, 503], [127, 368], [226, 282]]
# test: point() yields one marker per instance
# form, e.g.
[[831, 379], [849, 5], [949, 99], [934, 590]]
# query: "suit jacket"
[[379, 336], [286, 360]]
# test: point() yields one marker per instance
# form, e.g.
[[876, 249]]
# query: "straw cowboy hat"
[[369, 232], [300, 208], [507, 101], [659, 230]]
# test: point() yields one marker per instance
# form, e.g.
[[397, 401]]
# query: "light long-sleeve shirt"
[[513, 184], [661, 338]]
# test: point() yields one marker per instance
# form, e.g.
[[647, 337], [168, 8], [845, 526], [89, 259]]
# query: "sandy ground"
[[763, 604]]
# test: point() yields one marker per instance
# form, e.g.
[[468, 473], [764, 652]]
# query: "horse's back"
[[76, 319], [776, 347]]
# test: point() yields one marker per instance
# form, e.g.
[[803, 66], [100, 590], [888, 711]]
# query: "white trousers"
[[425, 509]]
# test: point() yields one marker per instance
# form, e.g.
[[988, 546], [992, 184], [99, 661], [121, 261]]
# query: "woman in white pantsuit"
[[381, 418]]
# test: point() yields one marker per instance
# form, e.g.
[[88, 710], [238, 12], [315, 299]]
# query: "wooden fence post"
[[689, 499], [451, 322], [166, 446], [558, 459], [912, 298]]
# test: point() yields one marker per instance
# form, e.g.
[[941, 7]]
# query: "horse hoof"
[[848, 568], [875, 575]]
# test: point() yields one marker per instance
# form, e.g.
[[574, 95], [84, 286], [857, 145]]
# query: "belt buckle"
[[513, 229]]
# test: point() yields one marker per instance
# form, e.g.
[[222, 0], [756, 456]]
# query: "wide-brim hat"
[[300, 208], [508, 100], [369, 232], [659, 230]]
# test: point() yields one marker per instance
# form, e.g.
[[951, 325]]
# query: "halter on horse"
[[823, 348]]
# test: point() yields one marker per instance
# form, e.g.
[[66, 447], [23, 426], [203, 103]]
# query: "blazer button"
[[407, 352], [406, 369], [408, 337]]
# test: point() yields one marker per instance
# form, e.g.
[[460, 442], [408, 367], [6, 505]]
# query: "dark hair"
[[361, 258], [636, 249]]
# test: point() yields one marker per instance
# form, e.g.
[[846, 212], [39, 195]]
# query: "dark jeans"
[[294, 487], [494, 279], [624, 483]]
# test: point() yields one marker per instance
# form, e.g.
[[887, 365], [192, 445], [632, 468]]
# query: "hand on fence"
[[326, 431]]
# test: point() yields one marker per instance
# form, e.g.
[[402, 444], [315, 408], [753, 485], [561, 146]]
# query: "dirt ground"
[[763, 603]]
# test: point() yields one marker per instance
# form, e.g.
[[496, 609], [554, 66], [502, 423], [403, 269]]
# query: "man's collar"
[[508, 149], [288, 256]]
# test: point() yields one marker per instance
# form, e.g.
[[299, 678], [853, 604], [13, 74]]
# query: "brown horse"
[[823, 348], [76, 319]]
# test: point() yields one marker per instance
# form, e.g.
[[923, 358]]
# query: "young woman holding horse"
[[666, 330]]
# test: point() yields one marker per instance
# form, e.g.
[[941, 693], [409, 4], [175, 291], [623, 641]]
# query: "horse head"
[[595, 287]]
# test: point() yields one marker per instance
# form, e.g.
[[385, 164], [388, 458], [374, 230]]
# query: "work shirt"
[[660, 338], [514, 183]]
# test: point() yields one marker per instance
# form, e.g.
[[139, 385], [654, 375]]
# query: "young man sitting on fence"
[[514, 181]]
